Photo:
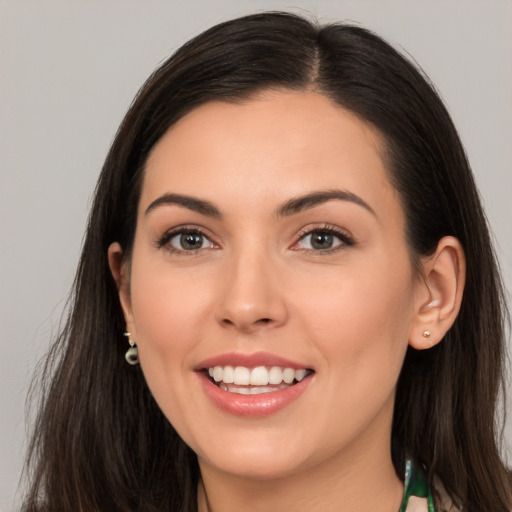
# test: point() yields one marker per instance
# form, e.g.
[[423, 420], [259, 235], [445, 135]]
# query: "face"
[[271, 292]]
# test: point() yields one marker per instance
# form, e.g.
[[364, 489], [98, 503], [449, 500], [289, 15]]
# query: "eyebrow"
[[305, 202], [291, 207], [192, 203]]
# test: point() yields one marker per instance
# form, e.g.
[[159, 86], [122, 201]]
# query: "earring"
[[132, 354], [426, 334]]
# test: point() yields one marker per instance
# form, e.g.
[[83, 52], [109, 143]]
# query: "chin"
[[260, 454], [255, 465]]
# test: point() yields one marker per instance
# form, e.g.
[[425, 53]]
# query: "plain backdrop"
[[68, 72]]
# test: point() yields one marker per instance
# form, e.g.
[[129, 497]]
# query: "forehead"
[[276, 145]]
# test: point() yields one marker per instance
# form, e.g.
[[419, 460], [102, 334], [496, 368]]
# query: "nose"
[[252, 295]]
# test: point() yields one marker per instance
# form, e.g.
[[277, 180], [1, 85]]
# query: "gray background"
[[68, 72]]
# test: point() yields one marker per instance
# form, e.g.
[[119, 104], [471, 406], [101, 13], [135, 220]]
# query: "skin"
[[258, 285]]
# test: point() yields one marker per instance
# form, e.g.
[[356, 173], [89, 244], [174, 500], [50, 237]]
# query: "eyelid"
[[164, 239], [346, 238], [342, 234]]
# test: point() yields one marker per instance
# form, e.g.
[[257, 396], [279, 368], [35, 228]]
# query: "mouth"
[[253, 385], [258, 380]]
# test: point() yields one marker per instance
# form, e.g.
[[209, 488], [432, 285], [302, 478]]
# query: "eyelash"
[[181, 230], [340, 234]]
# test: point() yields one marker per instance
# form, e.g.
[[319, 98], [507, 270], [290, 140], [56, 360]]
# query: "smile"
[[254, 381], [253, 385]]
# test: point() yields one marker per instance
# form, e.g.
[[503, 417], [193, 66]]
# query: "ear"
[[439, 294], [121, 274]]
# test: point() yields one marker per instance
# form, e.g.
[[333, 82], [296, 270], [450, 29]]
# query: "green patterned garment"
[[415, 485]]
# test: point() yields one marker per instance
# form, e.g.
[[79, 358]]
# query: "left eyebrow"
[[305, 202]]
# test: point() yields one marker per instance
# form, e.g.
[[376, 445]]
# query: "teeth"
[[254, 390], [259, 376], [217, 374], [228, 375], [241, 375], [288, 375], [275, 375], [300, 374]]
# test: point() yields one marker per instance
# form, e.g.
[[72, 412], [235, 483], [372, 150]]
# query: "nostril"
[[242, 325]]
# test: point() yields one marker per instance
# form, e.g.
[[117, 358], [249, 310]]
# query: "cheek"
[[165, 301], [362, 319], [360, 327], [168, 308]]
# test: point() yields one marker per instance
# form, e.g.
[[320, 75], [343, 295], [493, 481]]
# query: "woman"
[[287, 242]]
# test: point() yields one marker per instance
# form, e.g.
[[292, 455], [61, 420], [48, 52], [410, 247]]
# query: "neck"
[[366, 484]]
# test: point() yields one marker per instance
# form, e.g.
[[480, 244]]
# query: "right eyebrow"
[[192, 203]]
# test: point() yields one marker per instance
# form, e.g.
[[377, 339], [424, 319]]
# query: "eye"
[[189, 241], [323, 239], [186, 240], [319, 240]]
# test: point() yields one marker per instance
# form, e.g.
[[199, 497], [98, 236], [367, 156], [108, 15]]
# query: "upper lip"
[[249, 361]]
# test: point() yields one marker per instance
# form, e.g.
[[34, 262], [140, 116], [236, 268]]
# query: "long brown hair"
[[101, 443]]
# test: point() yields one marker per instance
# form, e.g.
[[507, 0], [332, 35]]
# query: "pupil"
[[321, 241], [191, 241]]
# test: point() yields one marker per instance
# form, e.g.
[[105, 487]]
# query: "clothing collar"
[[415, 485]]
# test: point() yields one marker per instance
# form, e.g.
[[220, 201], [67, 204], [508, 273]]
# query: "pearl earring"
[[426, 334], [132, 354]]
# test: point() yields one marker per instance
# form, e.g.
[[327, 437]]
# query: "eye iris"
[[321, 240], [191, 241]]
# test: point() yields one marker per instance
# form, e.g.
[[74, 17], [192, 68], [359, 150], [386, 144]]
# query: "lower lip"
[[254, 406]]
